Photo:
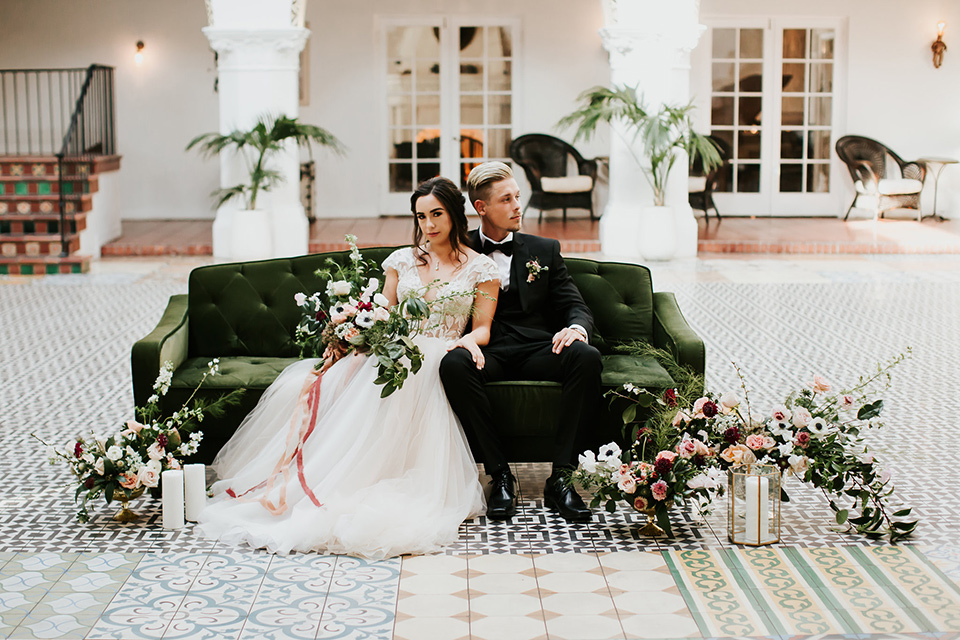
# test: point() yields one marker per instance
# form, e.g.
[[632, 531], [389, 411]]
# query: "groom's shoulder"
[[538, 241]]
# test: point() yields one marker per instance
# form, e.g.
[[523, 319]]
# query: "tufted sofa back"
[[247, 308], [621, 298]]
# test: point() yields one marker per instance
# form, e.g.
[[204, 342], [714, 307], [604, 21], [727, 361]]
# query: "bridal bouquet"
[[351, 314], [121, 465], [816, 434]]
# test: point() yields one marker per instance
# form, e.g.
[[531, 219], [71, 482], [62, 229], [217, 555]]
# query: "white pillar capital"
[[282, 41]]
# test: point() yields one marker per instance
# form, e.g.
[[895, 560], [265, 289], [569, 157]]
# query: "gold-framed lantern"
[[753, 515]]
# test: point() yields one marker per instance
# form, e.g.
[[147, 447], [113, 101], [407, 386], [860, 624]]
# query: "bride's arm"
[[390, 279], [484, 306]]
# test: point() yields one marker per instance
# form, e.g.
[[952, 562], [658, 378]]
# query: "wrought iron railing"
[[68, 113]]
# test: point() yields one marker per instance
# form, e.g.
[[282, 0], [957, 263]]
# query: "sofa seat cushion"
[[567, 184], [891, 187], [258, 373], [235, 372], [643, 372]]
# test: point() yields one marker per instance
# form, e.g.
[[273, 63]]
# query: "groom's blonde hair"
[[483, 176]]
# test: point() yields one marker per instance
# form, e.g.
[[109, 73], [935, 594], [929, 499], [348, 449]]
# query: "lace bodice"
[[449, 315]]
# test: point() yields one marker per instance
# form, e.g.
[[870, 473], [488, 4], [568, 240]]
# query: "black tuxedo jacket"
[[536, 310]]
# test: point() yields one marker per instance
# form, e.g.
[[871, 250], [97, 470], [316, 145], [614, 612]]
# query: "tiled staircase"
[[30, 239]]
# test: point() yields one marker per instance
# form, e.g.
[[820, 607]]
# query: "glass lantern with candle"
[[753, 517]]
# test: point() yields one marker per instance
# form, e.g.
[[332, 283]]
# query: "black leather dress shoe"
[[559, 496], [502, 503]]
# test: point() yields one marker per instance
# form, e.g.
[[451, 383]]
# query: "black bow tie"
[[505, 247]]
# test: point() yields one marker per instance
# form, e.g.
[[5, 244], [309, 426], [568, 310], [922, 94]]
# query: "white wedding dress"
[[394, 476]]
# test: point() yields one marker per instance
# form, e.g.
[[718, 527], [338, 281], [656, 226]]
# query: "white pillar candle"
[[758, 510], [194, 490], [171, 483]]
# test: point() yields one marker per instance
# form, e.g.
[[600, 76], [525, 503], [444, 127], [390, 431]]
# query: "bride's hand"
[[468, 343], [330, 355]]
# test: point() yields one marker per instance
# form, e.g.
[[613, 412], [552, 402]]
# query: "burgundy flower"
[[663, 466], [732, 435], [88, 483], [710, 409], [698, 460], [78, 450], [321, 316], [364, 306], [670, 397], [802, 440], [162, 440]]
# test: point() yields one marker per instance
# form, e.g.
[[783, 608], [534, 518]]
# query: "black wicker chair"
[[870, 163], [702, 185], [544, 156]]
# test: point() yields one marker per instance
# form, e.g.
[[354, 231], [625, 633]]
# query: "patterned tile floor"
[[64, 349]]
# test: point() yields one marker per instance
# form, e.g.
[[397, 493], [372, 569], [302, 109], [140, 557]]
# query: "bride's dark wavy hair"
[[451, 198]]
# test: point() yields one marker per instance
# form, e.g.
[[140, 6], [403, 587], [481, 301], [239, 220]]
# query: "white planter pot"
[[251, 235], [658, 233]]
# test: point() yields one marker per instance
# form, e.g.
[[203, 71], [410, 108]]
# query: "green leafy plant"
[[265, 139], [663, 134]]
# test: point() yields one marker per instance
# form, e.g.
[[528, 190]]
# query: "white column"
[[649, 42], [258, 44]]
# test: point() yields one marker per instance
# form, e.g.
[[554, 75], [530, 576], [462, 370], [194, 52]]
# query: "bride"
[[394, 475]]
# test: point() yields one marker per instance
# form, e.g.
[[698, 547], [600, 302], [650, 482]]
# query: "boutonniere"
[[534, 269]]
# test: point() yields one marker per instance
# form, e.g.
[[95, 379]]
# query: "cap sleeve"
[[398, 258], [485, 269]]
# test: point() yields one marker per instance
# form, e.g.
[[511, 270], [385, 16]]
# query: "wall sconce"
[[938, 46], [138, 57]]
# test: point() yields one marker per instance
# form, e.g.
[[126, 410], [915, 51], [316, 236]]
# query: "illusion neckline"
[[427, 286]]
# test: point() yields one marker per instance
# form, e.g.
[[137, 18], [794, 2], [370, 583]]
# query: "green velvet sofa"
[[244, 314]]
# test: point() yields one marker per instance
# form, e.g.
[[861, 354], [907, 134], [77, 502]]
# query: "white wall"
[[894, 94], [160, 105], [558, 59], [169, 99]]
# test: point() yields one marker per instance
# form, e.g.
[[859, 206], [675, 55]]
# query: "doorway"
[[449, 100]]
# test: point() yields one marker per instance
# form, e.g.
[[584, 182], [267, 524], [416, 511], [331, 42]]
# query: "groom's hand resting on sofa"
[[566, 337], [467, 342]]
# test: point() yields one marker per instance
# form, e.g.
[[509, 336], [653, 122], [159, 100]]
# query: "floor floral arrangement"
[[122, 465], [687, 439]]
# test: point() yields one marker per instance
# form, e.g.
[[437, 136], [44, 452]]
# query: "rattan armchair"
[[548, 163], [874, 167]]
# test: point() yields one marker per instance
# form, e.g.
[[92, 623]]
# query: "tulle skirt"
[[394, 476]]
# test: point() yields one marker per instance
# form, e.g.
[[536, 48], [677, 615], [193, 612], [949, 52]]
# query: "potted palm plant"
[[662, 134], [266, 138], [257, 146]]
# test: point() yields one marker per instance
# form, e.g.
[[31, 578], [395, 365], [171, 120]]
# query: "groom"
[[540, 331]]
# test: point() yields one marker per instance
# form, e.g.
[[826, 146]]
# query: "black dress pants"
[[577, 368]]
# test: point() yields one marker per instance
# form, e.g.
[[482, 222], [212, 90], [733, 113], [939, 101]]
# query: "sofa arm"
[[672, 333], [168, 341]]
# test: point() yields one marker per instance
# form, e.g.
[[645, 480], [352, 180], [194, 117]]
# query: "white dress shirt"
[[500, 259]]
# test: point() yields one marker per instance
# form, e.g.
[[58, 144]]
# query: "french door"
[[449, 100], [775, 104]]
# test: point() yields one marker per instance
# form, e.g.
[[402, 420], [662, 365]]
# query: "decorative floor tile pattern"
[[66, 369], [840, 591]]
